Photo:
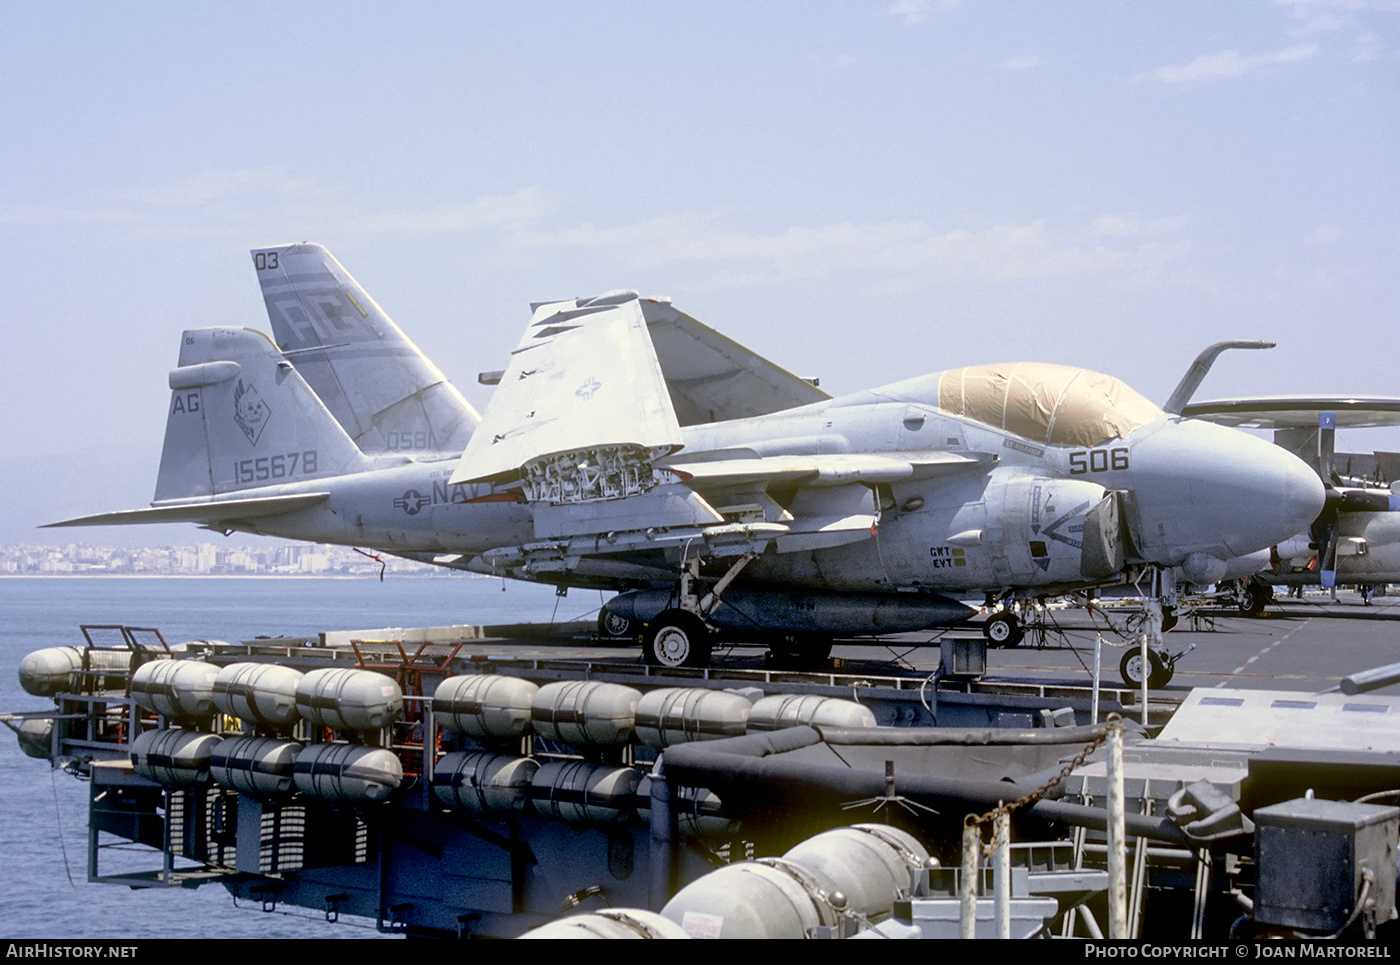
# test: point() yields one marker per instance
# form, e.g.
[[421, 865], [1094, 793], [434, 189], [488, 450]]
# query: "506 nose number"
[[1097, 460]]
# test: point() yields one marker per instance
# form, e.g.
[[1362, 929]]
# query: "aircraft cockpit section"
[[1055, 405]]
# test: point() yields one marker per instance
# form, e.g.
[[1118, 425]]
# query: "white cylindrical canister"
[[480, 782], [178, 689], [173, 757], [36, 737], [585, 712], [676, 715], [583, 793], [485, 706], [794, 710], [54, 670], [771, 898], [256, 766], [873, 865], [348, 698], [260, 693], [347, 773]]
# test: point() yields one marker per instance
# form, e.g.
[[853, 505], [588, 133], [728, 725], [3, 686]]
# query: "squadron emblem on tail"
[[250, 411]]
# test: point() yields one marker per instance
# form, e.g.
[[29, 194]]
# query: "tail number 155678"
[[265, 468]]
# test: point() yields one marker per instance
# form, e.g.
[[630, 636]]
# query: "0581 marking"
[[408, 440]]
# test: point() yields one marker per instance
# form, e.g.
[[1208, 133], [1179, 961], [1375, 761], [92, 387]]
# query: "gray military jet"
[[628, 447]]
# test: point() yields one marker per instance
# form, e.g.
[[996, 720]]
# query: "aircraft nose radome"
[[1277, 494], [1203, 488], [1306, 494]]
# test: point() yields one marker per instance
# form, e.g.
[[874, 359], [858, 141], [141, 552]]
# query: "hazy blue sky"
[[861, 191]]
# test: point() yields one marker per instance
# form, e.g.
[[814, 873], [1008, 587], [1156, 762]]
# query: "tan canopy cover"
[[1056, 405]]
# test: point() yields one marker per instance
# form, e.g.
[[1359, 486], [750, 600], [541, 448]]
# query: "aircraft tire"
[[1254, 600], [614, 626], [677, 638], [1159, 674], [1003, 630]]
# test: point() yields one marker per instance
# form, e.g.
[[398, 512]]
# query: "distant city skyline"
[[204, 559]]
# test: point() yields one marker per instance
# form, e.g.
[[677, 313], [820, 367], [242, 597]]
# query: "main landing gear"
[[677, 638], [692, 625], [680, 636]]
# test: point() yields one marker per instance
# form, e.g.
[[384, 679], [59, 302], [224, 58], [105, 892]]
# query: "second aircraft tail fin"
[[384, 392]]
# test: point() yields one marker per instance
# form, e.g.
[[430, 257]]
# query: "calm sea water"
[[43, 813]]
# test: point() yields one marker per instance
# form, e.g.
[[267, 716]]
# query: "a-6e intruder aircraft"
[[628, 447]]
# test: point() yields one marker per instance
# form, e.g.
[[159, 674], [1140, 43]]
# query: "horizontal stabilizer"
[[214, 511]]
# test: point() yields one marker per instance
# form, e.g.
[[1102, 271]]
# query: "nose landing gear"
[[1003, 629], [1160, 667]]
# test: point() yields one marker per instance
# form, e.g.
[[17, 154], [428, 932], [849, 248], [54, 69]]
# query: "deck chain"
[[978, 820]]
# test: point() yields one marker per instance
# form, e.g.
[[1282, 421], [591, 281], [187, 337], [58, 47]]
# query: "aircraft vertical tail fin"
[[376, 383], [241, 417]]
